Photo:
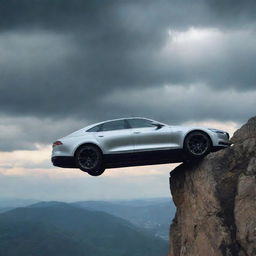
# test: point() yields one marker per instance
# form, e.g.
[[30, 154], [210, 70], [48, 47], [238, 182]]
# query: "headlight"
[[218, 132]]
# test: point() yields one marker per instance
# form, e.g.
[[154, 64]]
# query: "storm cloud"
[[84, 61]]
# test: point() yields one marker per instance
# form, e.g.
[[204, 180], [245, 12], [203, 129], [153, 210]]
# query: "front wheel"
[[197, 145], [89, 159]]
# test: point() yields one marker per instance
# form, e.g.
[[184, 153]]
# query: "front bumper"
[[225, 143], [220, 139], [64, 161]]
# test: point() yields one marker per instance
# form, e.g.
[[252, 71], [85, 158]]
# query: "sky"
[[66, 64]]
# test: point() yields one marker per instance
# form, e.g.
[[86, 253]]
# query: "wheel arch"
[[197, 130], [85, 144]]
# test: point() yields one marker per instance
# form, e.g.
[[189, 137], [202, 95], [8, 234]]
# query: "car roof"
[[117, 119]]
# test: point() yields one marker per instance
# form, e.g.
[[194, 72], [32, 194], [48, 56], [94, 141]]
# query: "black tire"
[[197, 145], [89, 159], [96, 172]]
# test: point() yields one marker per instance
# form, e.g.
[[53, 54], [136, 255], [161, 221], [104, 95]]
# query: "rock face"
[[216, 201]]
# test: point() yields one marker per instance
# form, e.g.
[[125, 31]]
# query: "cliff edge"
[[216, 201]]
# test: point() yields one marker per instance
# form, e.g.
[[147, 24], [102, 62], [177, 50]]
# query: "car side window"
[[139, 123], [114, 125], [94, 129]]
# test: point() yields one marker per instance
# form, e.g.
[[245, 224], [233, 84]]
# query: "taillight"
[[57, 143]]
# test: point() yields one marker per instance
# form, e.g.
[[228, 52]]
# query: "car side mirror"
[[158, 125]]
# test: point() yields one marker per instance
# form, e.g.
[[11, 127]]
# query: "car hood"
[[190, 128]]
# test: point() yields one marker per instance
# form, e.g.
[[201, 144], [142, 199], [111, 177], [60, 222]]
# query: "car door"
[[115, 137], [149, 137]]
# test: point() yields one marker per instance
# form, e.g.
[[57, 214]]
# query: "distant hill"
[[7, 204], [155, 215], [60, 229], [6, 209], [15, 202]]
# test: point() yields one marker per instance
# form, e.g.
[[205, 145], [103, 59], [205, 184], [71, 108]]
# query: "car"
[[134, 141]]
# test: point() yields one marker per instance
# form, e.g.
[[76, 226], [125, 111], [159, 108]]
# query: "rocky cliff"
[[216, 201]]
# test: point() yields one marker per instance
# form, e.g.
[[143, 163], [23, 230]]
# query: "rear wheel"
[[89, 159], [197, 144]]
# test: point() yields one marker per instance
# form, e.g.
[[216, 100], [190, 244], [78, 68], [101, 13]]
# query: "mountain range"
[[55, 228], [155, 215]]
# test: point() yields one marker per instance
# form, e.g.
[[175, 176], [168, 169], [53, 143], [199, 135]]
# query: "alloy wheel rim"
[[198, 145], [88, 158]]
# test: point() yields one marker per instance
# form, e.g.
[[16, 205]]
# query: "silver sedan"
[[134, 141]]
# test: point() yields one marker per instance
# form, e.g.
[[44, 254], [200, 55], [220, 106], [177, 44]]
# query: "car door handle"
[[101, 136], [136, 132]]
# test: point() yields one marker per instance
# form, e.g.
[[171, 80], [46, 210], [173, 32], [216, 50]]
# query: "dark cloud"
[[62, 59], [178, 103], [232, 13], [70, 15], [29, 133]]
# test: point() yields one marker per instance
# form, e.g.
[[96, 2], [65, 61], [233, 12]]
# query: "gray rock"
[[216, 201]]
